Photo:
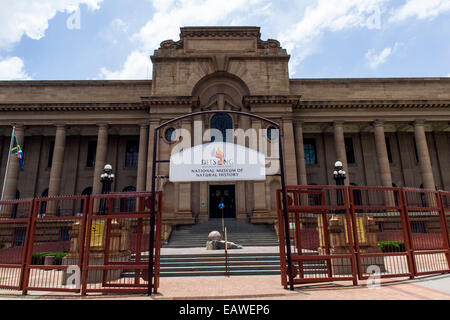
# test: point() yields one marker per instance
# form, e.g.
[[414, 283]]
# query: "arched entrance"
[[156, 161]]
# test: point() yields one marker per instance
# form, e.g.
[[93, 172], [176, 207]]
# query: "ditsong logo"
[[240, 147]]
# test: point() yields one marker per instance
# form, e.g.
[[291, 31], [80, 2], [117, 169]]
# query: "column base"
[[263, 217]]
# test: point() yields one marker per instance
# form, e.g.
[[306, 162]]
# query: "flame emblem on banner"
[[220, 155]]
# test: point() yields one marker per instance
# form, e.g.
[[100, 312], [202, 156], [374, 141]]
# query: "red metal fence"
[[348, 233], [79, 244]]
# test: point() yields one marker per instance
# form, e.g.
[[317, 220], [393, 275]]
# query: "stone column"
[[259, 188], [151, 129], [142, 158], [339, 145], [13, 170], [424, 156], [184, 189], [289, 152], [100, 157], [57, 167], [301, 164], [383, 161]]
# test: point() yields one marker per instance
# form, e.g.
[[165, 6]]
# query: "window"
[[388, 147], [128, 204], [50, 154], [309, 146], [43, 206], [418, 227], [92, 150], [64, 234], [357, 197], [221, 122], [19, 237], [132, 153], [350, 152], [168, 134], [272, 133]]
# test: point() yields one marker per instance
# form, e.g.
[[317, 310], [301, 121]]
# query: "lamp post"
[[106, 178], [339, 176]]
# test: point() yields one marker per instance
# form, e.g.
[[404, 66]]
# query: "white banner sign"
[[217, 161]]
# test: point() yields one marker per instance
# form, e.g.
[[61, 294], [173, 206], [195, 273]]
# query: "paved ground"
[[269, 288]]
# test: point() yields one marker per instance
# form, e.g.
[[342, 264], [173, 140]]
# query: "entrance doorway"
[[225, 194]]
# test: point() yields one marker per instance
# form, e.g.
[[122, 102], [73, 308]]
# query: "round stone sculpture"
[[214, 235]]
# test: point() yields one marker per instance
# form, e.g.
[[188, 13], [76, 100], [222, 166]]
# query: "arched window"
[[128, 204], [221, 122], [86, 192], [43, 205]]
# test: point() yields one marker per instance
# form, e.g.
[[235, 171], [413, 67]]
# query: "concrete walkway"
[[269, 288]]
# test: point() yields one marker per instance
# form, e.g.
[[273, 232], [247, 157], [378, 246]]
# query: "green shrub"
[[39, 258], [392, 246], [2, 246]]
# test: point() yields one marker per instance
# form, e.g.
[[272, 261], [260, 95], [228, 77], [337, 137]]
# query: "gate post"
[[350, 235], [444, 227], [29, 248], [28, 240], [407, 234], [355, 234]]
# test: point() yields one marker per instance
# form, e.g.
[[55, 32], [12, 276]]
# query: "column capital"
[[418, 122], [299, 122], [143, 125], [60, 125], [102, 125], [378, 123], [338, 123]]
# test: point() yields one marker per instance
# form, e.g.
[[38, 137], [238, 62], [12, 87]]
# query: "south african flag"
[[16, 149]]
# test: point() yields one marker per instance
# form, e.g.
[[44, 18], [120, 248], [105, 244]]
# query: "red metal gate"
[[428, 231], [381, 232], [311, 210], [55, 247], [79, 244], [117, 244], [14, 233], [349, 233]]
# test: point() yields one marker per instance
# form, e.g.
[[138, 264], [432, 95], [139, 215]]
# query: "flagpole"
[[7, 163]]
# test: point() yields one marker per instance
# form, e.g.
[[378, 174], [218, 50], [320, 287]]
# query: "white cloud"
[[376, 60], [302, 38], [137, 66], [13, 69], [165, 24], [30, 17], [420, 9]]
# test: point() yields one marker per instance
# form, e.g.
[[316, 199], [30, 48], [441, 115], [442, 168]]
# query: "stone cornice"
[[293, 100], [178, 100], [372, 104], [219, 32], [72, 106]]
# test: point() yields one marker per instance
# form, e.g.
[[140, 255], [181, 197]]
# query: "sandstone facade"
[[386, 131]]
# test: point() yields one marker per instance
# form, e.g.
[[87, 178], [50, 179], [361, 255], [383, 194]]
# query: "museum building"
[[386, 132]]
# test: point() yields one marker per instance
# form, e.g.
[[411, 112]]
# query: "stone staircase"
[[243, 233], [213, 264]]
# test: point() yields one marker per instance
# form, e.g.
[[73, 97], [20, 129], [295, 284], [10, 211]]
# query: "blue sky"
[[113, 39]]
